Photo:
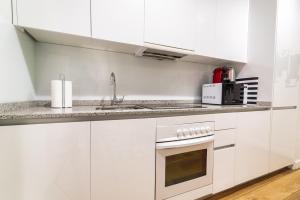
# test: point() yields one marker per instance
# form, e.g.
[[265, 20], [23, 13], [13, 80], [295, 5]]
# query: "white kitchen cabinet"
[[283, 138], [123, 159], [225, 121], [287, 55], [171, 23], [274, 43], [222, 29], [206, 27], [224, 160], [232, 29], [63, 16], [252, 153], [225, 138], [224, 169], [118, 20], [45, 162]]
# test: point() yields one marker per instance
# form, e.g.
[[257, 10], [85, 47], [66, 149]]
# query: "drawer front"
[[225, 121], [225, 138]]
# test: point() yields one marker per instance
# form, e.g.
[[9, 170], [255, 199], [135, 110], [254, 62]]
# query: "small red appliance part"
[[217, 75]]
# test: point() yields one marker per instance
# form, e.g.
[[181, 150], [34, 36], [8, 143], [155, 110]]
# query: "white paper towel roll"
[[68, 94], [56, 93]]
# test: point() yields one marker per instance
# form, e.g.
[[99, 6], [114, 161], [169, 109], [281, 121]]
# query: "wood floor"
[[284, 185]]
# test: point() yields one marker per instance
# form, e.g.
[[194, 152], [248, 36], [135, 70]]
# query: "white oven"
[[184, 161]]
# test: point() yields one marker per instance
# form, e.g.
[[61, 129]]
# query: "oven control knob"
[[203, 130], [208, 129], [179, 133], [193, 132], [186, 132], [198, 131]]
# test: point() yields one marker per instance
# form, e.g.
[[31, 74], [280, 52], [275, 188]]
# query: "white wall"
[[137, 78], [16, 60], [261, 45]]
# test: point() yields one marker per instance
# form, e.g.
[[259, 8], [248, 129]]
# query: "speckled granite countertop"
[[40, 112]]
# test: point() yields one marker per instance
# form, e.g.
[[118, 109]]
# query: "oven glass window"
[[186, 166]]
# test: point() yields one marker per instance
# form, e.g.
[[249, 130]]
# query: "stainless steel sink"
[[174, 106], [152, 107], [121, 107]]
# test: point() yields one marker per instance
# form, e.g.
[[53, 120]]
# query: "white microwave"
[[222, 94]]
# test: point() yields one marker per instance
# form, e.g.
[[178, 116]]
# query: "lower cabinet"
[[115, 159], [283, 138], [252, 153], [123, 159], [224, 169], [224, 160], [45, 162]]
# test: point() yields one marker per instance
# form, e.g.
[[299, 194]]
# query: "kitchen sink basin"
[[121, 107], [151, 107], [175, 106]]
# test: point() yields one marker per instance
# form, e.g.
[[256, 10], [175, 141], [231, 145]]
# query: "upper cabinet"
[[232, 29], [215, 30], [64, 16], [206, 27], [222, 29], [118, 20], [171, 23]]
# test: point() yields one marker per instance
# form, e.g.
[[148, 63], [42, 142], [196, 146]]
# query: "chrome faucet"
[[115, 99]]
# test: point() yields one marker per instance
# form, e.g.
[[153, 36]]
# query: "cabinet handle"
[[285, 108], [224, 147], [185, 143]]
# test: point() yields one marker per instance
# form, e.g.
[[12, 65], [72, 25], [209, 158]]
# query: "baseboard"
[[296, 165]]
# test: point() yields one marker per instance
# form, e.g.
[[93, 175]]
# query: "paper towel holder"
[[62, 77], [61, 92]]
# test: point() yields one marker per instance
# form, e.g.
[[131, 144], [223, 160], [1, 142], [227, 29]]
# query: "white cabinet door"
[[232, 29], [171, 23], [224, 169], [45, 162], [118, 20], [283, 138], [206, 27], [287, 66], [123, 159], [64, 16], [252, 158]]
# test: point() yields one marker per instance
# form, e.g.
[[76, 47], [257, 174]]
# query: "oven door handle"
[[184, 143]]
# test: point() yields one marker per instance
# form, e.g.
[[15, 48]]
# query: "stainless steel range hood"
[[162, 52]]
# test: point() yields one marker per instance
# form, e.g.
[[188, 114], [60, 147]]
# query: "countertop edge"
[[81, 117]]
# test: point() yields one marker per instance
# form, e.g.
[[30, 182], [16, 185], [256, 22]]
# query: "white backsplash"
[[137, 78]]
